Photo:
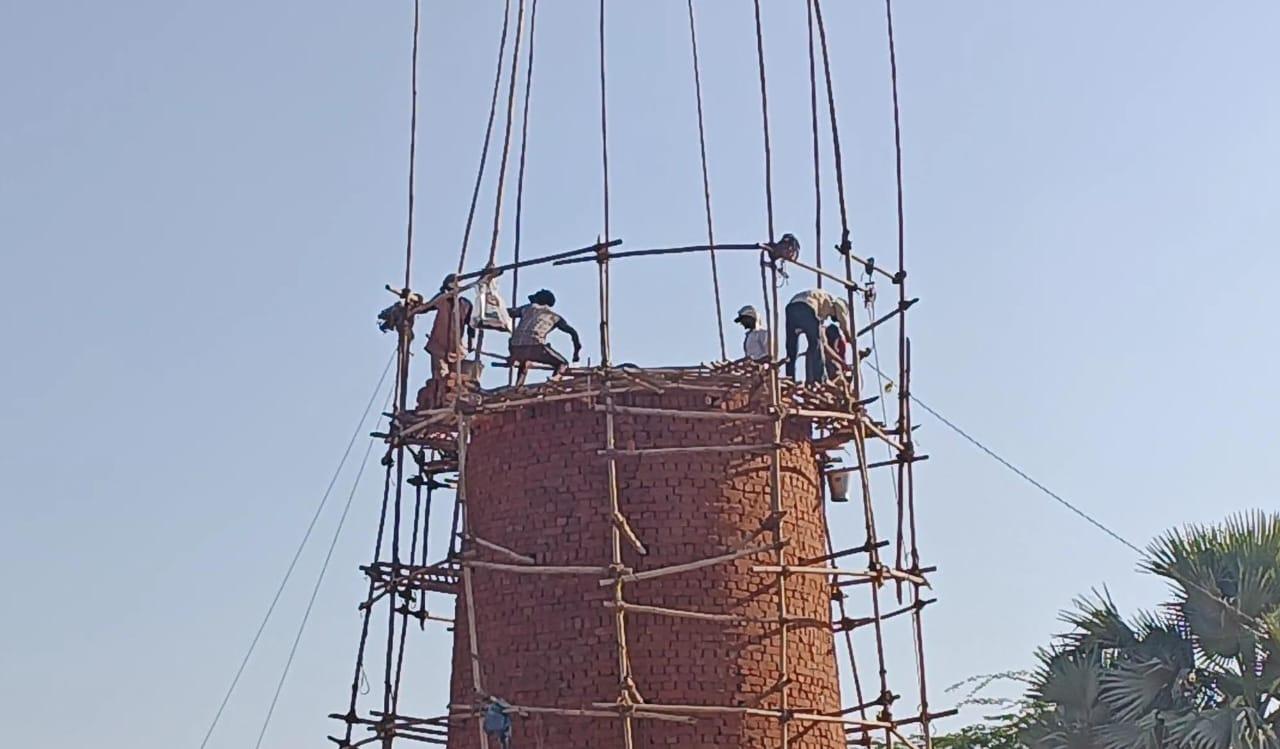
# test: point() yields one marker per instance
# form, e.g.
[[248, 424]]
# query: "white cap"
[[747, 311]]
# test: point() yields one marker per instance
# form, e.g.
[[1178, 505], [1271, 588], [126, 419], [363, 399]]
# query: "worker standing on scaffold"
[[755, 344], [804, 315], [453, 314], [529, 340]]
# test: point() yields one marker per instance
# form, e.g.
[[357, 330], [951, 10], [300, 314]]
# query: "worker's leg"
[[815, 363], [522, 371], [791, 320]]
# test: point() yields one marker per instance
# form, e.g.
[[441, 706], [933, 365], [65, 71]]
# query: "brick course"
[[537, 486]]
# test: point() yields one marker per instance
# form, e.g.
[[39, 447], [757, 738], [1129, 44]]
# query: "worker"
[[529, 340], [755, 345], [497, 724], [805, 314], [453, 314], [837, 350]]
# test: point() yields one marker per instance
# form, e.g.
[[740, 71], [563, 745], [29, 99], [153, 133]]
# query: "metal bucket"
[[838, 486], [471, 370]]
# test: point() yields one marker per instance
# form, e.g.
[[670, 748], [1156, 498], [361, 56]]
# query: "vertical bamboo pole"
[[468, 593], [775, 504], [626, 684]]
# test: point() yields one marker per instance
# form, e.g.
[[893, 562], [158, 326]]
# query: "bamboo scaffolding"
[[678, 414], [500, 549], [676, 569], [613, 452]]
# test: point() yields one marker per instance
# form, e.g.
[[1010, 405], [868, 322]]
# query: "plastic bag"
[[490, 312]]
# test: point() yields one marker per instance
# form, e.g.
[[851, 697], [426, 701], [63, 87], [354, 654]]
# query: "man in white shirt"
[[804, 315], [756, 343]]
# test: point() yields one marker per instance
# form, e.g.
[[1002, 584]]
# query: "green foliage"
[[1203, 672]]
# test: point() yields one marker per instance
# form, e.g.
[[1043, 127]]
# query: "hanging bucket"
[[838, 486], [471, 370]]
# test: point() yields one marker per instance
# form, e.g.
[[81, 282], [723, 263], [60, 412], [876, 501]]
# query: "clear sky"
[[200, 203]]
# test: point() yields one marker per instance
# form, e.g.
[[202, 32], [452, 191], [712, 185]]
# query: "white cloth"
[[756, 344], [826, 306]]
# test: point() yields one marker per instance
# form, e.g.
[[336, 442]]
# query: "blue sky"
[[200, 203]]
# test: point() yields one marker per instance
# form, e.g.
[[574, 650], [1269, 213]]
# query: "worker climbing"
[[804, 315], [497, 723], [529, 341]]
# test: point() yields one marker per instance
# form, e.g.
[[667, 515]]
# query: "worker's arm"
[[567, 328], [842, 319], [515, 312]]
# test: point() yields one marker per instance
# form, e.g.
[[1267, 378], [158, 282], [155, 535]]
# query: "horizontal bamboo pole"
[[880, 464], [883, 572], [662, 251], [536, 569], [737, 710], [842, 281], [503, 405], [691, 449], [679, 414], [639, 711], [492, 270], [676, 613], [902, 307], [690, 566]]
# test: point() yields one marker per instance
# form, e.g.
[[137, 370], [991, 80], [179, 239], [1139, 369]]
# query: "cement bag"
[[490, 312]]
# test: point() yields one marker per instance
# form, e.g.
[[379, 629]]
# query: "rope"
[[817, 169], [488, 132], [315, 591], [524, 142], [306, 536], [706, 179], [764, 112], [604, 127], [897, 129], [506, 138], [413, 143], [835, 129]]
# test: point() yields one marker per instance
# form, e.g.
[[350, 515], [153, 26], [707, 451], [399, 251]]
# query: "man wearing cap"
[[529, 340], [804, 314], [756, 343]]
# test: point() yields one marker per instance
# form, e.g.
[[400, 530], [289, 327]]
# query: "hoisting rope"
[[488, 133], [604, 128], [706, 179], [764, 114], [524, 143], [506, 138], [315, 591], [816, 10], [817, 168], [306, 536], [413, 144]]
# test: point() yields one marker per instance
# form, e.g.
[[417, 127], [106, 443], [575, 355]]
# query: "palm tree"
[[1203, 672]]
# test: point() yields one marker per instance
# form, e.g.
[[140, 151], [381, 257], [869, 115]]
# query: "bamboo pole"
[[534, 569], [675, 569], [611, 452], [679, 414], [501, 550], [468, 592]]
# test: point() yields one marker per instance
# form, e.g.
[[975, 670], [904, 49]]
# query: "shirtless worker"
[[529, 340]]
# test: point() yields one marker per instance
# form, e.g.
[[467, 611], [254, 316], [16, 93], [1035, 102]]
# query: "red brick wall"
[[536, 485]]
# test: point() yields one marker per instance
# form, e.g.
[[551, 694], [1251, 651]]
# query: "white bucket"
[[838, 486]]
